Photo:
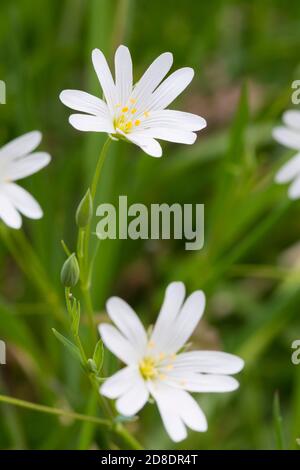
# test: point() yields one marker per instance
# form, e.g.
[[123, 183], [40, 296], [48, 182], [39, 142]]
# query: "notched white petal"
[[21, 146], [86, 123]]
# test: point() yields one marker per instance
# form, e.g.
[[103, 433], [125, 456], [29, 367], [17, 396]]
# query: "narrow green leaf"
[[68, 344]]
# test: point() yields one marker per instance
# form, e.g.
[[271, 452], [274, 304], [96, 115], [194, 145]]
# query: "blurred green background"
[[245, 56]]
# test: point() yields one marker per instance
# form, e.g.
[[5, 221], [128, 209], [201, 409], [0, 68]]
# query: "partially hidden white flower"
[[16, 162], [137, 112], [289, 135], [156, 365]]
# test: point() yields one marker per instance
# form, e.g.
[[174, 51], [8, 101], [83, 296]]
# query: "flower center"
[[156, 366], [147, 368], [125, 119]]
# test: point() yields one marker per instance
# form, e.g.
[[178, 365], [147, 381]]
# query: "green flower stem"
[[94, 186], [76, 336], [54, 411], [83, 243], [129, 441]]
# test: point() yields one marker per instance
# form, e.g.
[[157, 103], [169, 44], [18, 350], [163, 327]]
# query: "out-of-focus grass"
[[252, 300]]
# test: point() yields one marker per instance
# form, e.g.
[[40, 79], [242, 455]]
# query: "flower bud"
[[85, 210], [70, 271]]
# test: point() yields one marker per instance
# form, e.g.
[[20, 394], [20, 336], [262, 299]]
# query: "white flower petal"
[[171, 306], [128, 322], [170, 89], [151, 79], [292, 119], [22, 200], [202, 382], [294, 189], [147, 144], [20, 146], [105, 79], [189, 410], [25, 166], [169, 134], [133, 399], [8, 213], [119, 383], [185, 322], [82, 101], [212, 362], [117, 344], [123, 70], [169, 410], [289, 170], [288, 137], [86, 123], [167, 118]]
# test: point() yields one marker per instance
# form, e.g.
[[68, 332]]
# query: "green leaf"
[[98, 355], [68, 344]]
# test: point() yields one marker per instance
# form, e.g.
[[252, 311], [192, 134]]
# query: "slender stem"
[[83, 243], [118, 429], [90, 311], [54, 411], [94, 185], [127, 438], [99, 166]]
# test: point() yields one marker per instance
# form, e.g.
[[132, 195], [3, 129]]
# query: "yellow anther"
[[147, 368], [162, 376], [146, 114], [133, 111], [125, 109], [128, 125], [132, 100], [137, 122]]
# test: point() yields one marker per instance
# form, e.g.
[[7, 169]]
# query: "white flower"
[[16, 162], [289, 135], [136, 112], [156, 365]]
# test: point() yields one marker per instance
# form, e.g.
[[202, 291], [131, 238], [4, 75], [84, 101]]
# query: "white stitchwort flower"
[[136, 113], [16, 162], [289, 135], [156, 366]]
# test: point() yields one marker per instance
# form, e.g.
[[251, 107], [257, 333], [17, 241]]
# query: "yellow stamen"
[[133, 111], [137, 122], [147, 368], [125, 109], [146, 114], [128, 125], [132, 100], [161, 376]]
